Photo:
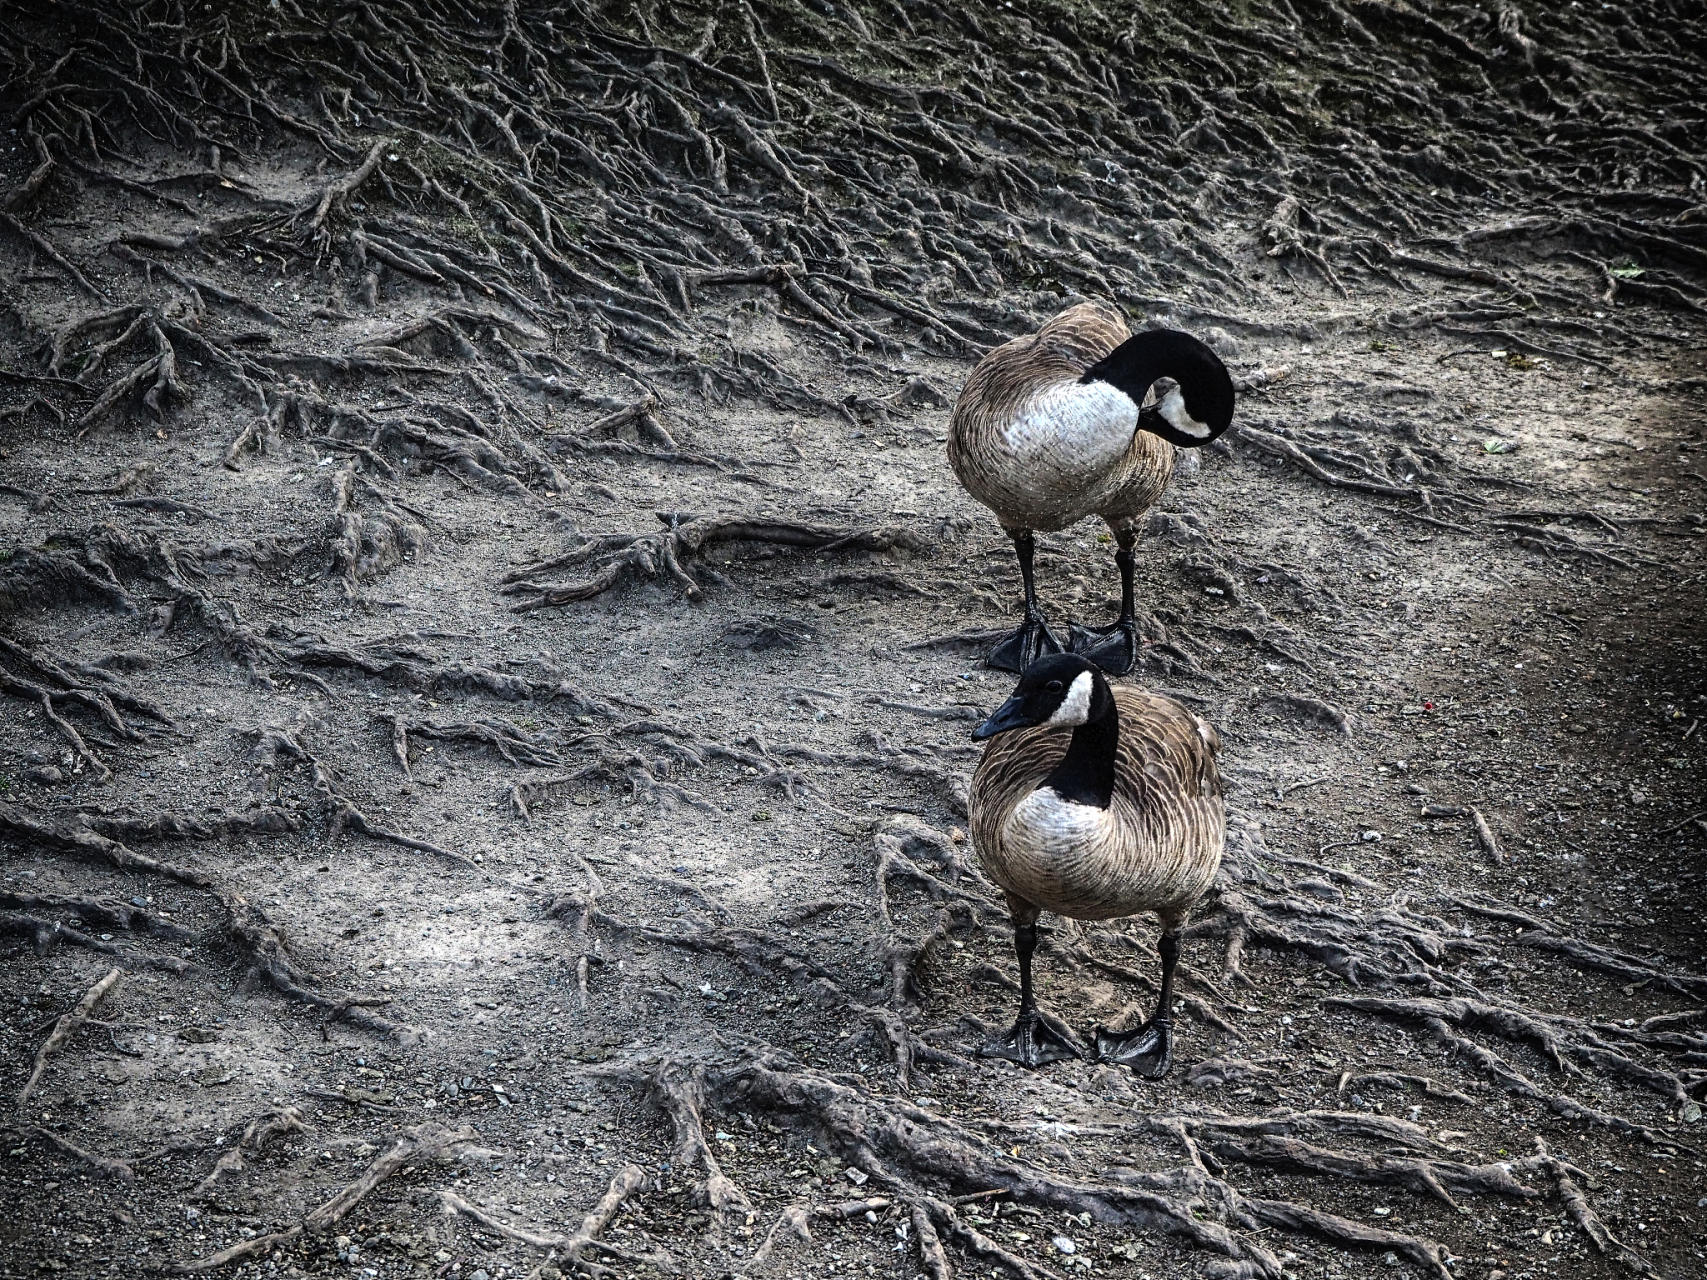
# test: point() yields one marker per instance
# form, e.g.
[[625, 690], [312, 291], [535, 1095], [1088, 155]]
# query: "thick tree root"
[[400, 661], [263, 945], [48, 680], [419, 1145], [366, 544], [678, 1088], [1582, 1214], [105, 1166], [107, 552], [81, 842], [505, 739], [31, 576], [1620, 964], [109, 912], [1559, 1038], [46, 934], [263, 821], [248, 926], [1437, 1178], [793, 1221], [895, 1144]]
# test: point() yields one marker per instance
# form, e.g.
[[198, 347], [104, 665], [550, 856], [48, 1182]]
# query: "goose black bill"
[[1010, 715]]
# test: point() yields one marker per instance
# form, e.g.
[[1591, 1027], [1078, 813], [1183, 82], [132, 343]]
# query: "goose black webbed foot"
[[1025, 646], [1148, 1050], [1113, 648], [1033, 1040]]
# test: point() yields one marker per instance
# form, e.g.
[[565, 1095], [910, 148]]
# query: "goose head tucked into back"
[[1200, 405], [1054, 427]]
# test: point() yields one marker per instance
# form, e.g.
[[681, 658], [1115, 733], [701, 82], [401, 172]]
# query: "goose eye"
[[1054, 686]]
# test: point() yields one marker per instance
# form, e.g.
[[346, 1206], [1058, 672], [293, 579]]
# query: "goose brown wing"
[[1006, 378], [1167, 779], [1083, 335]]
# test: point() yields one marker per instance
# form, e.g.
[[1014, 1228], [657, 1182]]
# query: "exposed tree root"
[[33, 576], [106, 1166], [364, 545], [400, 661], [263, 945], [679, 1090], [262, 821], [793, 1221], [1550, 540], [896, 1144], [46, 934], [66, 1027], [255, 935], [1403, 1084], [1563, 1040], [95, 572], [579, 223], [81, 842], [1583, 1215], [102, 911], [1620, 964], [419, 1145], [1437, 1178], [505, 739], [274, 1124], [1369, 474], [617, 556], [576, 1247], [344, 813], [48, 680]]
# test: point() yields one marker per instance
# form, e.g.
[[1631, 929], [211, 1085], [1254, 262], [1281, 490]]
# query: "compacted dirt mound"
[[489, 639]]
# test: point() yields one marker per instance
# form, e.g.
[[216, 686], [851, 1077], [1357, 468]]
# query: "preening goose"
[[1095, 801], [1053, 428]]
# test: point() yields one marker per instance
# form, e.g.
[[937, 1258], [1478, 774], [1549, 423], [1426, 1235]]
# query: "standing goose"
[[1053, 428], [1096, 801]]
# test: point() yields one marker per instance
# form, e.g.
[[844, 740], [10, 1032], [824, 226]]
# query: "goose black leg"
[[1035, 1038], [1033, 640], [1149, 1049], [1114, 649]]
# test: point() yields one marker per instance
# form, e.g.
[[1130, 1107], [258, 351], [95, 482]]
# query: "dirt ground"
[[452, 886]]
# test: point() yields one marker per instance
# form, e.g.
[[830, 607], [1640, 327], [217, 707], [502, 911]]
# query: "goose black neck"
[[1136, 364], [1085, 774]]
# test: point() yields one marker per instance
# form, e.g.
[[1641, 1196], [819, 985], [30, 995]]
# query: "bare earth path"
[[488, 638]]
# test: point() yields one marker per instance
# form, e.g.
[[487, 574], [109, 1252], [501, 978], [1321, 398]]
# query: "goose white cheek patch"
[[1075, 708], [1172, 407]]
